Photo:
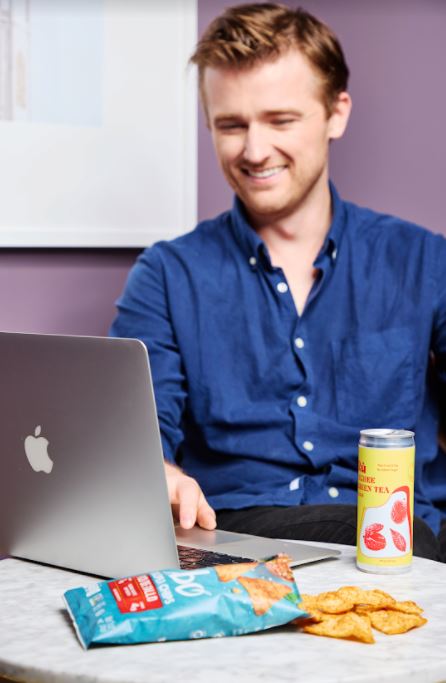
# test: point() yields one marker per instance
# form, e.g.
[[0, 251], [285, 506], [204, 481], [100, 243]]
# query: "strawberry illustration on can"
[[385, 500]]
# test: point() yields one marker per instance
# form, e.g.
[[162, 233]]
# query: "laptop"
[[82, 483]]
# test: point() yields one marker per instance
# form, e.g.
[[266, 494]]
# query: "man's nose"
[[256, 148]]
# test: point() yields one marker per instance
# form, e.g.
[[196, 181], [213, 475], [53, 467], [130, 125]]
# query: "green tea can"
[[386, 467]]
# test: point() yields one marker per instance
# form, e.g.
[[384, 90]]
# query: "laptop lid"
[[82, 483]]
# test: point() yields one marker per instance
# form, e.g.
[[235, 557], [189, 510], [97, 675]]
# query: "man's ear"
[[337, 122]]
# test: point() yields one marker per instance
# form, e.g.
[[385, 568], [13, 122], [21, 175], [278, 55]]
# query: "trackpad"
[[261, 548], [208, 539]]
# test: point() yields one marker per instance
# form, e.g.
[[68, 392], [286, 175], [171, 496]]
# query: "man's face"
[[271, 133]]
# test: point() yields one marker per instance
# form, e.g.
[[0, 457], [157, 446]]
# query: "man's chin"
[[264, 211]]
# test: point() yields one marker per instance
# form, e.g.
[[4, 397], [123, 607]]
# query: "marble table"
[[38, 643]]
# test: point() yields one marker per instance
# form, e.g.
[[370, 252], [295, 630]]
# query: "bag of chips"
[[226, 600]]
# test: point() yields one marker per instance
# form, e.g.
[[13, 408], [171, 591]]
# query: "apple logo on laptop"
[[36, 449]]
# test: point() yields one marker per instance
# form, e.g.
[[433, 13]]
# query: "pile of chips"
[[351, 612]]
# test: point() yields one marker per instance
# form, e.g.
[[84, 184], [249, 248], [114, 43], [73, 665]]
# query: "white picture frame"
[[99, 139]]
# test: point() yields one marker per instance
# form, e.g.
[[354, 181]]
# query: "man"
[[281, 328]]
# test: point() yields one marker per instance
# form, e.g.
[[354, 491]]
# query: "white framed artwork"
[[97, 122]]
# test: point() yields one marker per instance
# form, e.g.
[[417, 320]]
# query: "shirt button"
[[282, 287], [334, 254], [299, 343], [294, 484], [252, 261], [301, 401], [308, 445], [333, 492]]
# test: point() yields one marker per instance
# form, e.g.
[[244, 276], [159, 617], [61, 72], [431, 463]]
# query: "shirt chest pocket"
[[374, 379]]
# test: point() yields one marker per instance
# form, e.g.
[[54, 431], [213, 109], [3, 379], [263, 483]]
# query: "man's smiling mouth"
[[265, 173]]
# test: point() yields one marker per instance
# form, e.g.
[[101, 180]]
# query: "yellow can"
[[386, 466]]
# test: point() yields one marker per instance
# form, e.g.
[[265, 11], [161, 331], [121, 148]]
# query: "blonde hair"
[[246, 35]]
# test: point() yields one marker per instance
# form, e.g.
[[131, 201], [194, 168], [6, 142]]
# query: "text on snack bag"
[[186, 584]]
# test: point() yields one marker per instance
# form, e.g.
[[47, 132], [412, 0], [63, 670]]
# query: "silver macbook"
[[82, 481]]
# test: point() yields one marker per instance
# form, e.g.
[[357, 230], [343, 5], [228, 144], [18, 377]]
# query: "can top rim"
[[387, 433]]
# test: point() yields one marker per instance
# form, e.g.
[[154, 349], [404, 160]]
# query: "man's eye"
[[230, 126], [282, 122]]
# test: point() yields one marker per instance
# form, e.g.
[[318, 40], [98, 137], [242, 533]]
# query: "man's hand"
[[187, 500]]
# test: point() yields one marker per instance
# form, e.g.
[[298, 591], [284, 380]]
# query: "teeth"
[[267, 173]]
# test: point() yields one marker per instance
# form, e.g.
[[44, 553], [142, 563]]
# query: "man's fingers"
[[194, 506], [205, 514], [189, 496], [187, 500]]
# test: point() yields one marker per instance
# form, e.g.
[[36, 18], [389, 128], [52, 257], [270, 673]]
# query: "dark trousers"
[[326, 523]]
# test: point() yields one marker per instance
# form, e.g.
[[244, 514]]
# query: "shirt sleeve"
[[143, 313], [439, 328]]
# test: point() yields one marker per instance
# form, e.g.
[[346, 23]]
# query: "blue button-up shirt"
[[263, 406]]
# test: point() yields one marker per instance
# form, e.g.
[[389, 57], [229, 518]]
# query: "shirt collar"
[[244, 232], [255, 247], [336, 230]]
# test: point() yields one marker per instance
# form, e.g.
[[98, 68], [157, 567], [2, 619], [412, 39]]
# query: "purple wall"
[[61, 291], [393, 156]]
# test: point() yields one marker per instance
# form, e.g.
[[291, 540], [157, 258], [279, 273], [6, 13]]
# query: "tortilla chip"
[[407, 606], [391, 621], [280, 566], [229, 572], [352, 594], [309, 604], [309, 600], [350, 626], [263, 593], [333, 602], [367, 599]]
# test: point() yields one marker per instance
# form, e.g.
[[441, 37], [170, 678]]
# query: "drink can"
[[386, 466]]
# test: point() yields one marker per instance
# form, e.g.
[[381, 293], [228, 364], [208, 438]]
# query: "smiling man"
[[279, 329], [271, 130]]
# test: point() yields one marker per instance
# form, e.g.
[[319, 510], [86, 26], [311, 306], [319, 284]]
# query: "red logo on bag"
[[135, 594]]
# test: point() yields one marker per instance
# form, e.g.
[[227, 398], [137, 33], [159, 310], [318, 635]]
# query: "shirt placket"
[[300, 401]]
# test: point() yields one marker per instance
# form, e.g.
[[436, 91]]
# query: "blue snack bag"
[[175, 604]]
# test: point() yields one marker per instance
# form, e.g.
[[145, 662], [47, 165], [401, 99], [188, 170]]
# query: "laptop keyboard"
[[196, 558]]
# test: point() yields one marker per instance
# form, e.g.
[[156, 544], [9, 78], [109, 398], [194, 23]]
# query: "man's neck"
[[294, 242], [305, 229]]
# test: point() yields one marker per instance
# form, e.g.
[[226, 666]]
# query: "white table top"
[[38, 643]]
